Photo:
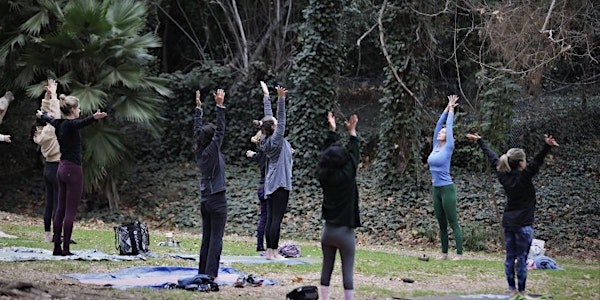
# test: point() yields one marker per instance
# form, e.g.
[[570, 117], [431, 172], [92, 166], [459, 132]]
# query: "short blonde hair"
[[67, 103]]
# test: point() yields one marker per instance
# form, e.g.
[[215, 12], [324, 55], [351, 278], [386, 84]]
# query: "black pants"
[[276, 207], [214, 216], [51, 194]]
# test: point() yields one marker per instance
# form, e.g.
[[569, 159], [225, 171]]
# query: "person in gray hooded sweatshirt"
[[213, 203], [278, 179]]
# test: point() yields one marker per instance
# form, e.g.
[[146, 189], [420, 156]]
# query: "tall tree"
[[401, 113], [314, 87], [98, 51]]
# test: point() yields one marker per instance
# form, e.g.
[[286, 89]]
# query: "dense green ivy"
[[243, 99], [313, 81], [401, 117], [493, 120]]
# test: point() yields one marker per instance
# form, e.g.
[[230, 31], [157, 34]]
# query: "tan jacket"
[[52, 107], [45, 136]]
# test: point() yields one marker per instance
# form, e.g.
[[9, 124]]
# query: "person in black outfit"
[[213, 203], [336, 173], [515, 175], [70, 172]]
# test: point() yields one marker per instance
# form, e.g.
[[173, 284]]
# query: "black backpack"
[[132, 238], [307, 292]]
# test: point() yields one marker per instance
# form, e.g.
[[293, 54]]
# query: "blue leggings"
[[517, 242]]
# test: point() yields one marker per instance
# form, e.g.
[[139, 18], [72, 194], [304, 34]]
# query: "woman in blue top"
[[278, 178], [213, 203], [515, 175], [444, 193]]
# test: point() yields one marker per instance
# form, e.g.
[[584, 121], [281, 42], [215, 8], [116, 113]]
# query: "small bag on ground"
[[132, 238], [307, 292]]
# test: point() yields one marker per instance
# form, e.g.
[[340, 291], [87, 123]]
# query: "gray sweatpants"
[[335, 238]]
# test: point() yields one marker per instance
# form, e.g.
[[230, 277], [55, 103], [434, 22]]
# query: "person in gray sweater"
[[213, 203], [278, 178]]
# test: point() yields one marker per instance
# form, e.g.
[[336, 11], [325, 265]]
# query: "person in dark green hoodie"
[[336, 173]]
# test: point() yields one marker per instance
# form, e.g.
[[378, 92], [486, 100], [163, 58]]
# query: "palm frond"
[[106, 150], [54, 7], [84, 17], [65, 80], [138, 108], [35, 90], [35, 24], [91, 97], [137, 48], [104, 144], [126, 16], [160, 85], [25, 76], [9, 45], [125, 74]]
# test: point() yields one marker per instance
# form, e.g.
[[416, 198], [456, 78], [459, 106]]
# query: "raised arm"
[[278, 135], [50, 102], [353, 144], [489, 153], [219, 136], [438, 126], [538, 159], [332, 135], [452, 99], [266, 100], [198, 113]]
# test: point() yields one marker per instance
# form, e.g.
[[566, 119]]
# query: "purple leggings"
[[70, 189]]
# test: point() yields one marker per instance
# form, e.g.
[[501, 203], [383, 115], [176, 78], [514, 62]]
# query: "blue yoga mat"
[[154, 277]]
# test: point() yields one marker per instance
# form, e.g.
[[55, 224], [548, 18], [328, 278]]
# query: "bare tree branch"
[[387, 55], [242, 33], [445, 10], [543, 30]]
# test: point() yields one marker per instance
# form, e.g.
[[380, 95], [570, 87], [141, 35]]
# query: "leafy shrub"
[[475, 236]]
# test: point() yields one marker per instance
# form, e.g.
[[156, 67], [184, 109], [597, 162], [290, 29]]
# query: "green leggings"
[[444, 207]]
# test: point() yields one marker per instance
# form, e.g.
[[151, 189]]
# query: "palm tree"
[[96, 50]]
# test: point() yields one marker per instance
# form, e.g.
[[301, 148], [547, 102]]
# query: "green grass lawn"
[[477, 272]]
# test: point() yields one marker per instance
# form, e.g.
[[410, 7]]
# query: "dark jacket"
[[209, 159], [68, 134], [340, 192], [518, 186]]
